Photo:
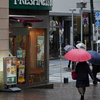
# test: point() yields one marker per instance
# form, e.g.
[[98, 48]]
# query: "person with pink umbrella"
[[82, 81], [82, 69]]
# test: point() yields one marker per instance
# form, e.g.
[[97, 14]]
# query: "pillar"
[[4, 34]]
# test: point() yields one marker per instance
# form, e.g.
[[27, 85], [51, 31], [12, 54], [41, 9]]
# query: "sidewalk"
[[60, 92], [57, 71], [68, 91]]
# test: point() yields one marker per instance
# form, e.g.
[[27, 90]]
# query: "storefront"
[[66, 20], [29, 40]]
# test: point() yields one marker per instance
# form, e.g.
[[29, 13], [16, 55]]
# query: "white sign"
[[34, 2], [52, 25], [97, 15]]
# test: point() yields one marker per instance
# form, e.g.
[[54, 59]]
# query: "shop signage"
[[85, 19], [31, 4], [97, 15], [97, 23], [10, 71]]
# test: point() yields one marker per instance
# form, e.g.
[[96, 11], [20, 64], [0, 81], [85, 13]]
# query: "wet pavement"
[[60, 91], [58, 70]]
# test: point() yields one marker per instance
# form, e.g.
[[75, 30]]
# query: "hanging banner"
[[85, 19]]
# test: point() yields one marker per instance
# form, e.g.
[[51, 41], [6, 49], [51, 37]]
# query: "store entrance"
[[29, 50], [18, 46], [37, 69]]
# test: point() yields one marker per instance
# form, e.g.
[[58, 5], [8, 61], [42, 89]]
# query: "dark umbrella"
[[95, 57]]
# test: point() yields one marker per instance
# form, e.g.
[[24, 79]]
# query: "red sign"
[[85, 19]]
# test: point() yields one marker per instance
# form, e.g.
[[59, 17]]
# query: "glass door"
[[29, 50], [19, 48], [36, 55]]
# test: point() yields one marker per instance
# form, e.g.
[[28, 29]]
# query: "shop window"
[[18, 48]]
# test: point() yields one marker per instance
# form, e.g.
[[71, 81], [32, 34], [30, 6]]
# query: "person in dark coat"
[[95, 70], [83, 71]]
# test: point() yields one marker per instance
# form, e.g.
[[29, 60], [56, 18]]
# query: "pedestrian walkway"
[[57, 71], [61, 91], [55, 74]]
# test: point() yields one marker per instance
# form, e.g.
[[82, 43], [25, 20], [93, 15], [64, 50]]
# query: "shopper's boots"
[[82, 97], [95, 82]]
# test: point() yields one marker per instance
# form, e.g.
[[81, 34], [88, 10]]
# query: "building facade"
[[4, 36], [25, 36], [63, 14]]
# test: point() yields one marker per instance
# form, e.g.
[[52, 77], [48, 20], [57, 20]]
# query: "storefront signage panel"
[[10, 71], [31, 4]]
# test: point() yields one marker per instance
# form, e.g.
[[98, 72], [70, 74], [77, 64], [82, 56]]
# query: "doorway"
[[29, 50]]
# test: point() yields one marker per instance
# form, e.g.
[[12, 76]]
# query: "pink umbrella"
[[78, 55]]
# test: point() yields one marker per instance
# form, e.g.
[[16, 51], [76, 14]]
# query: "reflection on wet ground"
[[62, 91]]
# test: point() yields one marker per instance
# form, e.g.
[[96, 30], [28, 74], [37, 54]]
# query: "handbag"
[[74, 75]]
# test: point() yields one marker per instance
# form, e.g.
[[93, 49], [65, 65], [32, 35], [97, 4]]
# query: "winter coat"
[[83, 71], [95, 70]]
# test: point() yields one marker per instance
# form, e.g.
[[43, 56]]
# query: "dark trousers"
[[69, 64]]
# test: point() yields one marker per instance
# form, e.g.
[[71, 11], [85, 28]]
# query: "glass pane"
[[21, 54], [36, 55], [18, 46]]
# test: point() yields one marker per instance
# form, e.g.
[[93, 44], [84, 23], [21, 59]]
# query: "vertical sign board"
[[97, 18], [97, 23], [40, 51], [10, 70], [85, 19], [21, 65], [97, 15], [60, 33]]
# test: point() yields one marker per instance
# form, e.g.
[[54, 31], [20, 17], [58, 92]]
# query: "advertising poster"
[[19, 53], [40, 51], [21, 72], [10, 70], [21, 69]]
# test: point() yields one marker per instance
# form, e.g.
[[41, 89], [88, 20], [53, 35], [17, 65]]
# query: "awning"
[[25, 19]]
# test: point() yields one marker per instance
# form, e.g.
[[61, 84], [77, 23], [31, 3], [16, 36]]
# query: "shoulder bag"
[[74, 75]]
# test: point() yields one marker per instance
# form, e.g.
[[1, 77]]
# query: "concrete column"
[[4, 34]]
